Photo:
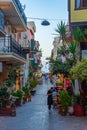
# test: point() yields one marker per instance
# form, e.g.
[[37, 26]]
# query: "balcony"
[[34, 48], [11, 50], [26, 50], [14, 14], [19, 6]]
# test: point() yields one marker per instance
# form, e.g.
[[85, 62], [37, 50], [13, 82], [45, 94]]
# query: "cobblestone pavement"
[[35, 116]]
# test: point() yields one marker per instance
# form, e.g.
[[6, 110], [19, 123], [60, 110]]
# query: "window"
[[84, 3], [79, 4], [1, 19]]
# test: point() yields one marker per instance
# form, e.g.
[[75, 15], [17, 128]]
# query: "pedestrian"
[[49, 98], [46, 77], [54, 98]]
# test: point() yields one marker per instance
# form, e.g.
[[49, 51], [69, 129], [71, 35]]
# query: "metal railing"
[[8, 44]]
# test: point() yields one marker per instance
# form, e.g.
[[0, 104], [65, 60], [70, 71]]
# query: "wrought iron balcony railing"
[[19, 6], [8, 44]]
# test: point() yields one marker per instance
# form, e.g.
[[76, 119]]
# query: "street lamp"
[[45, 23]]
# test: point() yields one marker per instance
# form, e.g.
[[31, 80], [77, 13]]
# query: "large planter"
[[79, 110]]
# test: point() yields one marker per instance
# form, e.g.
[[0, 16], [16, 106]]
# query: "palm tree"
[[61, 30], [72, 49], [78, 36]]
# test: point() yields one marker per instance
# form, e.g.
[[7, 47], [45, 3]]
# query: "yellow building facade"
[[77, 12]]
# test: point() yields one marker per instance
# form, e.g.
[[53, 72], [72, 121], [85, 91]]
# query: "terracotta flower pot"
[[8, 107], [79, 110]]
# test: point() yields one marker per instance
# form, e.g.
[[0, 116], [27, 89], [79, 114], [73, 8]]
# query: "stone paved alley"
[[35, 116]]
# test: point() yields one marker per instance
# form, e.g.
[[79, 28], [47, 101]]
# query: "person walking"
[[54, 97], [49, 98]]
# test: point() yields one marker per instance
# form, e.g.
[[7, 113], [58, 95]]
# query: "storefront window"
[[1, 19]]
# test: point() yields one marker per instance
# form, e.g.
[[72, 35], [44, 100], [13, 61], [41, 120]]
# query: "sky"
[[52, 10]]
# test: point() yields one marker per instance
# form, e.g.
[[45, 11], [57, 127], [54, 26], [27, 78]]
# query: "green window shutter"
[[32, 44]]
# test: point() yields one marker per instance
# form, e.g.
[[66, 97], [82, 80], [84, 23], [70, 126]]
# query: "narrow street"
[[35, 116]]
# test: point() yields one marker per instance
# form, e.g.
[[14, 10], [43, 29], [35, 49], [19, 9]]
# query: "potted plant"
[[26, 96], [79, 72], [66, 101], [18, 94], [78, 107], [8, 106], [11, 79], [4, 96], [33, 84]]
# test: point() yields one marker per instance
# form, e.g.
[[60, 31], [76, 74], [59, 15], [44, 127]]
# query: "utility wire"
[[46, 19]]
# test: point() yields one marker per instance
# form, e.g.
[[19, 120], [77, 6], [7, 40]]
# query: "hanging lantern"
[[45, 23]]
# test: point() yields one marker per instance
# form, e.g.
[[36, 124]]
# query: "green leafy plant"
[[27, 84], [4, 93], [18, 94], [58, 67], [4, 97], [78, 35], [72, 49], [79, 71], [61, 30], [26, 90], [76, 99], [33, 83], [9, 83], [65, 99], [11, 79], [59, 83]]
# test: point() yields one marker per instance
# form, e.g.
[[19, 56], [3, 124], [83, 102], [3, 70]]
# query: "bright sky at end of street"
[[50, 10]]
